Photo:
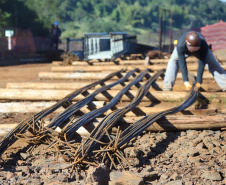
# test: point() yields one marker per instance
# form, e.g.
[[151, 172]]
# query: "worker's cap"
[[193, 40], [56, 23]]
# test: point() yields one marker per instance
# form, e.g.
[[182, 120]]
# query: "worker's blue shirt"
[[200, 54]]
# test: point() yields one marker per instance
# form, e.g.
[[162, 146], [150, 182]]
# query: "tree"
[[4, 16], [134, 16]]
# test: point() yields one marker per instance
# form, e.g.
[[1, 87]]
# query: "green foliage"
[[134, 16], [4, 16], [17, 15]]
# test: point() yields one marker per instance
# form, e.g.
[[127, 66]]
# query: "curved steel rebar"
[[72, 109], [70, 129], [138, 127], [114, 146], [22, 127], [109, 121], [133, 130]]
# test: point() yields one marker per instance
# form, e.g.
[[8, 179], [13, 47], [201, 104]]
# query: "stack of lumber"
[[31, 97]]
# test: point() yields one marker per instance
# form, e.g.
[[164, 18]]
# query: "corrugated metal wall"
[[215, 35]]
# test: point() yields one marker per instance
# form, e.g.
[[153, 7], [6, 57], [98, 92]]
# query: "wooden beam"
[[170, 123], [77, 76], [115, 68], [121, 62], [184, 122], [35, 107], [192, 67], [66, 85], [90, 68], [192, 110], [179, 86], [83, 63], [51, 95], [94, 76]]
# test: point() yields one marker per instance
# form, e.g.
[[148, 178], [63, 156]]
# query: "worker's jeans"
[[212, 65]]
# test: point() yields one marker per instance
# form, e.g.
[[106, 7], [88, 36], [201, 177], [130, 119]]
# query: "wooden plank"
[[94, 76], [115, 68], [39, 95], [184, 122], [76, 76], [35, 107], [170, 123], [77, 85], [121, 62]]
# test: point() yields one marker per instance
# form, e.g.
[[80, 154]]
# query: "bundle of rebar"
[[122, 139], [70, 129], [101, 146], [107, 123], [111, 119], [73, 108], [86, 151], [34, 122]]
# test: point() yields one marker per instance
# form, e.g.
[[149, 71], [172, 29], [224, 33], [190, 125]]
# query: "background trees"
[[133, 16]]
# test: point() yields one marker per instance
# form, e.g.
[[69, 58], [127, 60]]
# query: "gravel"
[[188, 157]]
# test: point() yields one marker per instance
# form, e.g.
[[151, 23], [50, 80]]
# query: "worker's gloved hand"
[[188, 86], [198, 85]]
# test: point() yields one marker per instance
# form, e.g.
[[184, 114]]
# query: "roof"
[[215, 35]]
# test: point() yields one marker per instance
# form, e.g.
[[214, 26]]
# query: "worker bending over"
[[193, 44]]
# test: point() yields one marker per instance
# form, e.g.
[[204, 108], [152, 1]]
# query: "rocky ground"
[[181, 158]]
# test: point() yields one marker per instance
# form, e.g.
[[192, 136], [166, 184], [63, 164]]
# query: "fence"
[[23, 42], [152, 38]]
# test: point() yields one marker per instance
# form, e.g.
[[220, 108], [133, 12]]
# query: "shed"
[[215, 35]]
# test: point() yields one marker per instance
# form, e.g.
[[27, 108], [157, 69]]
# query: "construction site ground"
[[192, 156]]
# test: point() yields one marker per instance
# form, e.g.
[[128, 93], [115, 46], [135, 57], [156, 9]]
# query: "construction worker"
[[55, 35], [193, 44]]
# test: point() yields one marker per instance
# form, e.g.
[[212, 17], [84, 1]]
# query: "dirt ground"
[[22, 73], [19, 73], [173, 158]]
